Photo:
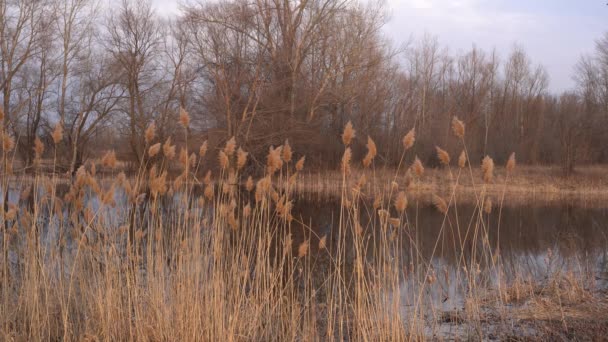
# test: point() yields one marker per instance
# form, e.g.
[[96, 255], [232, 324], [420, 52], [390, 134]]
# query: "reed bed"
[[206, 257]]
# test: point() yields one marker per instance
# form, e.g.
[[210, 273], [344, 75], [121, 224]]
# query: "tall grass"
[[152, 258]]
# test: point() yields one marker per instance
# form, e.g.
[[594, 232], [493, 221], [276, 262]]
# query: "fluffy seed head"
[[153, 150], [7, 143], [38, 147], [184, 117], [487, 167], [287, 152], [487, 207], [249, 184], [203, 149], [371, 152], [417, 167], [168, 149], [443, 155], [241, 158], [401, 202], [440, 204], [303, 249], [458, 127], [511, 163], [230, 146], [57, 133], [462, 160], [223, 159], [150, 132], [348, 134], [409, 139], [274, 160], [323, 242], [300, 164]]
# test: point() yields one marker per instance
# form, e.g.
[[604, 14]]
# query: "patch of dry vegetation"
[[148, 258]]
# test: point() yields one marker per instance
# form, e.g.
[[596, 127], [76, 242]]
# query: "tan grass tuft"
[[230, 147], [38, 148], [7, 143], [150, 132], [487, 168], [223, 159], [409, 139], [511, 163], [287, 152], [249, 184], [371, 152], [458, 127], [241, 158], [153, 150], [300, 164], [203, 149], [487, 207], [348, 134], [401, 202], [184, 117], [440, 204], [207, 179], [443, 156], [247, 210], [462, 160], [57, 133], [395, 222], [274, 161], [417, 167], [183, 157], [323, 242], [168, 149]]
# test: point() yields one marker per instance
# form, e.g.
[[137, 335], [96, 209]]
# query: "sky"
[[554, 33]]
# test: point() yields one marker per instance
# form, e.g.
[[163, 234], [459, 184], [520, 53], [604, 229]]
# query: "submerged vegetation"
[[225, 256]]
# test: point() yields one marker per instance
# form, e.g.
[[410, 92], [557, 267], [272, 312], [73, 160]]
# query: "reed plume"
[[371, 152], [303, 249], [417, 167], [230, 147], [348, 134], [150, 132], [153, 150], [57, 133], [184, 117], [249, 184], [401, 202], [440, 204], [300, 164], [458, 127], [223, 159], [443, 156], [287, 152], [274, 161], [168, 149], [38, 147], [241, 158], [203, 149], [409, 139], [511, 163], [462, 160], [7, 143], [323, 242], [487, 168]]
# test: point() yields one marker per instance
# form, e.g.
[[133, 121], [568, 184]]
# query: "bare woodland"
[[268, 70]]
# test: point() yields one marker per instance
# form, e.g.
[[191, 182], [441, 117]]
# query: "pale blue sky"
[[553, 32]]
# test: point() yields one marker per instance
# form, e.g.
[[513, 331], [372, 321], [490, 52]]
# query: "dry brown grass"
[[166, 263]]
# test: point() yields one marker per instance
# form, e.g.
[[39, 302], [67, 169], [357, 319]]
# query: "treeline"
[[268, 70]]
